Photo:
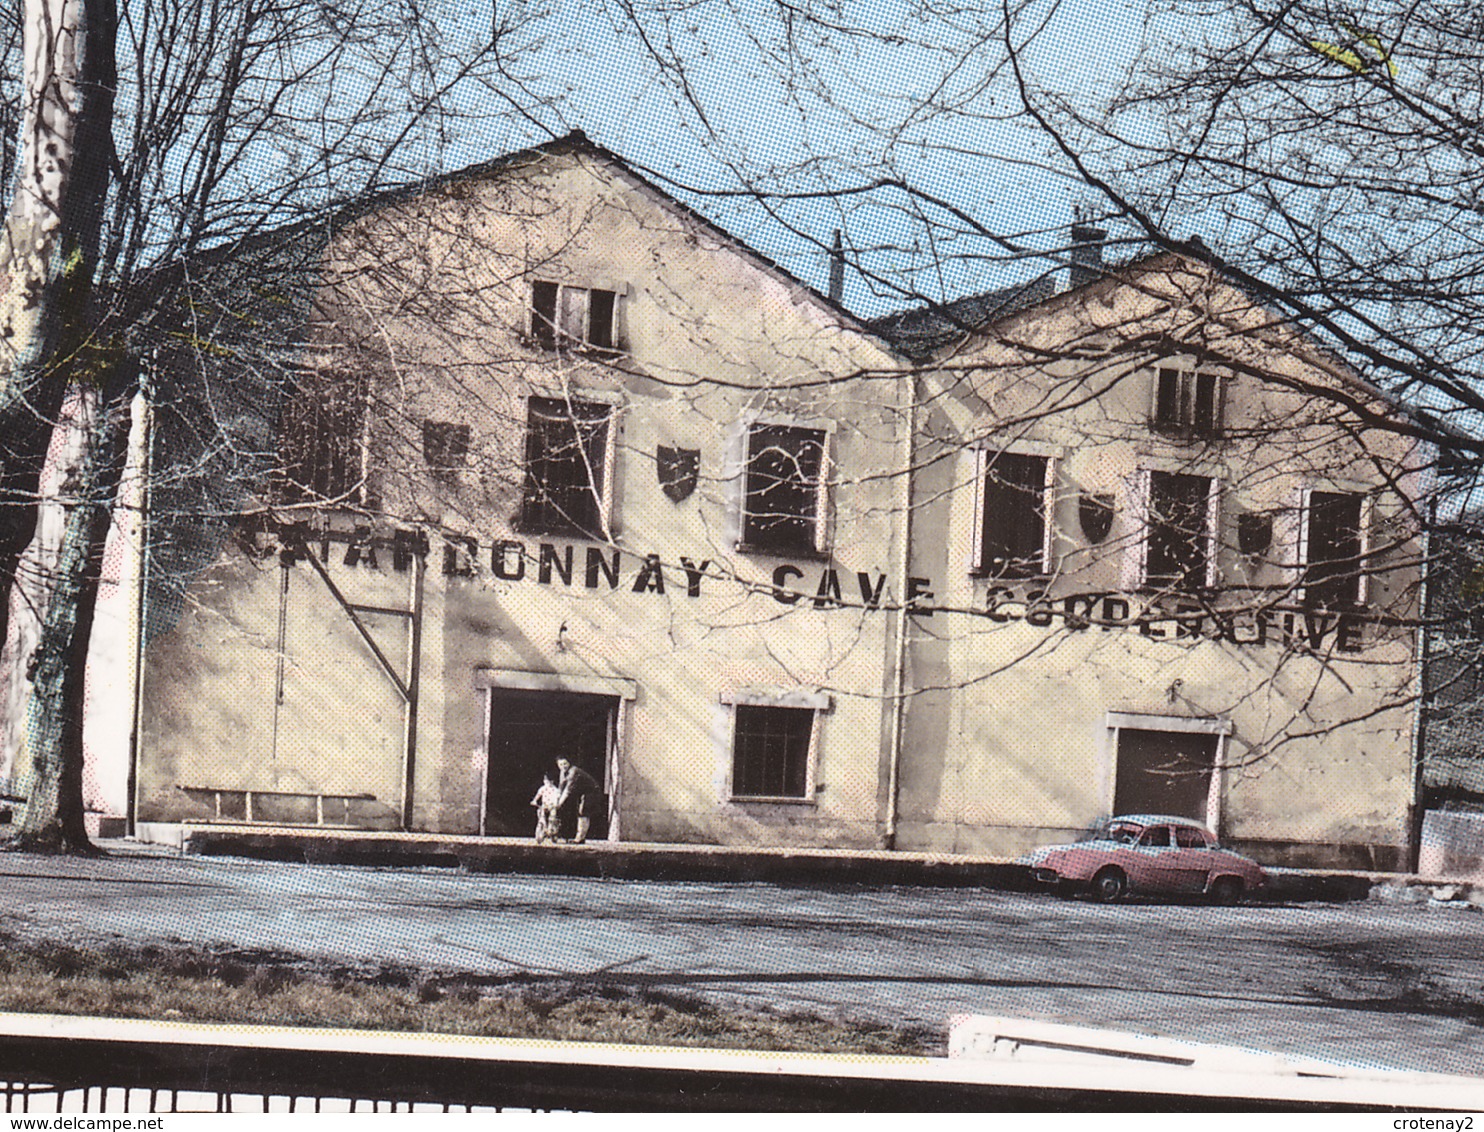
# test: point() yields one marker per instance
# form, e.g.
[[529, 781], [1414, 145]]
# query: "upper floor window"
[[1180, 541], [562, 315], [784, 490], [1187, 402], [1013, 529], [324, 439], [567, 467], [1334, 538]]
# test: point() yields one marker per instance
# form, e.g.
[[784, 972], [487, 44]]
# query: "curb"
[[718, 864]]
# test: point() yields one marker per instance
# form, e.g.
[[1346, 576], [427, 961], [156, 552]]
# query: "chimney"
[[837, 269], [1087, 254]]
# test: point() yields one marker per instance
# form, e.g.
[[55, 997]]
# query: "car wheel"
[[1226, 890], [1109, 884]]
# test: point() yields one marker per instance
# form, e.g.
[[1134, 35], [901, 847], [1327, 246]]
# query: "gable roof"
[[577, 143], [327, 221], [920, 332]]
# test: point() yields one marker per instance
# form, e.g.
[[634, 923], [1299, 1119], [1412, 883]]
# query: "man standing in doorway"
[[579, 789]]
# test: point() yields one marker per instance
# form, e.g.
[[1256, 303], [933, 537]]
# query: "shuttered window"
[[1179, 535], [324, 433], [1012, 520], [1333, 574], [1186, 402], [565, 467], [562, 315], [784, 491]]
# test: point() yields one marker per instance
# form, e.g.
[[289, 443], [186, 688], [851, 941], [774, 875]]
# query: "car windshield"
[[1124, 831]]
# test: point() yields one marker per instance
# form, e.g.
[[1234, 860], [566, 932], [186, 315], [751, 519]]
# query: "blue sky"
[[847, 107]]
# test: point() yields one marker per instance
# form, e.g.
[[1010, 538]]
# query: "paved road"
[[1398, 986]]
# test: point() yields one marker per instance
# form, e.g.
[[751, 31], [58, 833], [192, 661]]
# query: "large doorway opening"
[[1165, 772], [528, 732]]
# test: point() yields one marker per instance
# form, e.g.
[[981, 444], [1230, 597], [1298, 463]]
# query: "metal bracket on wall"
[[354, 612]]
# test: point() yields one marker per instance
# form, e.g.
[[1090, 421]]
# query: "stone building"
[[556, 442], [565, 470], [1186, 545]]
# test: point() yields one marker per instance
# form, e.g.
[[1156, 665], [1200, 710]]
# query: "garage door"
[[1164, 772]]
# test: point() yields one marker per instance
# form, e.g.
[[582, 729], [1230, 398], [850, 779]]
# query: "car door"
[[1194, 858], [1166, 865], [1146, 868]]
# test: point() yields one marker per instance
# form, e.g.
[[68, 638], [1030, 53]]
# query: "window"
[[1013, 532], [445, 445], [1187, 402], [1178, 554], [567, 455], [1334, 541], [783, 510], [1156, 837], [573, 316], [770, 751], [324, 434], [1188, 837]]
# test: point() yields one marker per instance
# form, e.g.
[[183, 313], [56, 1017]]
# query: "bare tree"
[[236, 120], [50, 250], [1326, 156], [1276, 172], [1330, 156], [313, 94]]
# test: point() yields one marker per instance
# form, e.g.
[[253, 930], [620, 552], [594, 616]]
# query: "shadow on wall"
[[218, 385]]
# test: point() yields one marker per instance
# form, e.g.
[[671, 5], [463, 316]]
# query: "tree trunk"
[[47, 258], [65, 565]]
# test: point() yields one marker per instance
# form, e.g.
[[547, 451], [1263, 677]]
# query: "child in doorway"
[[546, 801]]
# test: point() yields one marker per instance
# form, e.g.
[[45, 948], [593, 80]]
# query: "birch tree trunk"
[[47, 257]]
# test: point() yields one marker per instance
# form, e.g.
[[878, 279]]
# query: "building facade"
[[558, 443], [566, 471], [1185, 550]]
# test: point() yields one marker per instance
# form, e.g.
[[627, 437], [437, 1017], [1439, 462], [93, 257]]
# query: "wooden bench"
[[276, 807]]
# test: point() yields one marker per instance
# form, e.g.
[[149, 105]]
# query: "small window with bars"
[[770, 751], [569, 317], [1187, 402]]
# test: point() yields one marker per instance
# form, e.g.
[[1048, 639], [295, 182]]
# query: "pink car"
[[1147, 854]]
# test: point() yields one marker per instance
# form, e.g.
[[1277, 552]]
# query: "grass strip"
[[185, 983]]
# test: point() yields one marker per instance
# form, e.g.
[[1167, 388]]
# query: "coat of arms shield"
[[1095, 511], [678, 469], [1254, 533]]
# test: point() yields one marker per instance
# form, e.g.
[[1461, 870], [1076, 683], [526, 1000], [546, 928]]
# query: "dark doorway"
[[529, 731], [1164, 772]]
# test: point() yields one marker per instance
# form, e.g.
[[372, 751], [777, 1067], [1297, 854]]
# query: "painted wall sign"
[[824, 586], [1174, 619]]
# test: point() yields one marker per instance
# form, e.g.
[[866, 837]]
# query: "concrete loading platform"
[[678, 862]]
